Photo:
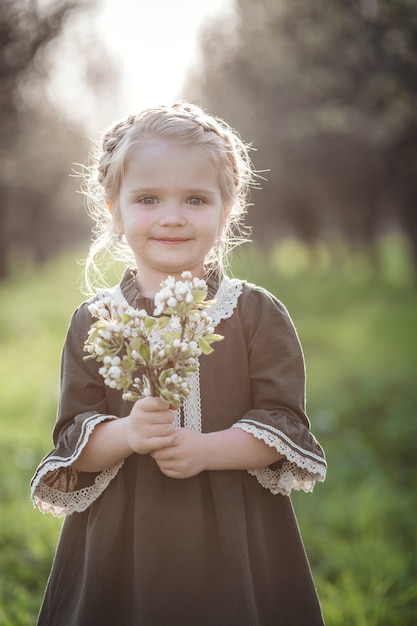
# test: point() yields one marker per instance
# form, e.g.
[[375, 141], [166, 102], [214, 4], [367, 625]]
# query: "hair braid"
[[111, 139]]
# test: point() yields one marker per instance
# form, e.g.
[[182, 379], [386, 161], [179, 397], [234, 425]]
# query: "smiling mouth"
[[172, 241]]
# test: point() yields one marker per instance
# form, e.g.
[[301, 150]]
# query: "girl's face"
[[170, 210]]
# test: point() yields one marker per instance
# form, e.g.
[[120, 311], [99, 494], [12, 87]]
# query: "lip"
[[171, 241]]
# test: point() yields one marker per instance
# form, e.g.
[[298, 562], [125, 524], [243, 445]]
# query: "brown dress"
[[219, 549]]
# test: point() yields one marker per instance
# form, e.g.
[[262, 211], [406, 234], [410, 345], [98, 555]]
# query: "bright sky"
[[156, 42], [152, 43]]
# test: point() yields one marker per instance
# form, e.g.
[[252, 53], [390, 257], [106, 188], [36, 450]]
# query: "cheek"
[[212, 226], [137, 222], [127, 215]]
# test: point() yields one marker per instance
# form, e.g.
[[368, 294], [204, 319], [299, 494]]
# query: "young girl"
[[186, 522]]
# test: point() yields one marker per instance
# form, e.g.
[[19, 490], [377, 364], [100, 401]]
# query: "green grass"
[[358, 330]]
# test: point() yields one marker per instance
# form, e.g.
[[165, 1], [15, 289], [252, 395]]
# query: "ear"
[[118, 227], [227, 209]]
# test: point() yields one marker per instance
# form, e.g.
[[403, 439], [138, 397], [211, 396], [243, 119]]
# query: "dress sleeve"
[[278, 417], [56, 487]]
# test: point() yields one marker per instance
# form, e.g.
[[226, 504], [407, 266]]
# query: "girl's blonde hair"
[[187, 124]]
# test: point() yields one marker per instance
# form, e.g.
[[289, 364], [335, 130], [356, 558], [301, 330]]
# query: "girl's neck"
[[147, 288]]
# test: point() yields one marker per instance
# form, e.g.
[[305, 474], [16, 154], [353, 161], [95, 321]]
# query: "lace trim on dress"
[[223, 305], [299, 470], [226, 300], [48, 498], [222, 308]]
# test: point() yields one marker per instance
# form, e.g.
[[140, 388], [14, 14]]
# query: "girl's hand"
[[150, 426], [230, 449], [185, 457]]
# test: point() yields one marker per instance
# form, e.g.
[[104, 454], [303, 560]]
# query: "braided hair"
[[186, 124]]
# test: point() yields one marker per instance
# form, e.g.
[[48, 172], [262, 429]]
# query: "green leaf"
[[204, 346], [126, 318], [149, 322], [213, 337], [199, 295], [168, 396], [163, 321], [170, 337], [145, 352], [136, 343]]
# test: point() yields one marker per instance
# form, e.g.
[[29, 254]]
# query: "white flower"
[[92, 308], [181, 289], [143, 356]]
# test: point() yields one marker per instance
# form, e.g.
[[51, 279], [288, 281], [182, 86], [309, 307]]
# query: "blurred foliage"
[[358, 333], [327, 93], [325, 90], [40, 212]]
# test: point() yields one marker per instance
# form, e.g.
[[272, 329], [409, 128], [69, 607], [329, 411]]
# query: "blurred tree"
[[38, 143], [327, 92]]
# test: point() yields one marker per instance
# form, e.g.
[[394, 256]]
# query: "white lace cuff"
[[299, 470], [53, 485]]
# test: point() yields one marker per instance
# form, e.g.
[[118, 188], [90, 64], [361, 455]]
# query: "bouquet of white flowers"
[[153, 356]]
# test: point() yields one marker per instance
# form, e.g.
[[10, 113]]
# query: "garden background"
[[359, 334], [327, 93]]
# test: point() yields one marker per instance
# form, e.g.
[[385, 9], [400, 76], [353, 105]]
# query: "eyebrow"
[[189, 192], [137, 190]]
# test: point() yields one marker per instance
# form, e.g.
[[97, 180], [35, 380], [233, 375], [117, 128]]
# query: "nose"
[[172, 215]]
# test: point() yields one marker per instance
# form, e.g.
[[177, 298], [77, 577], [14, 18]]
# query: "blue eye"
[[195, 201], [148, 200]]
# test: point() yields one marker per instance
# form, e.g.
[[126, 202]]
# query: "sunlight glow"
[[156, 43]]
